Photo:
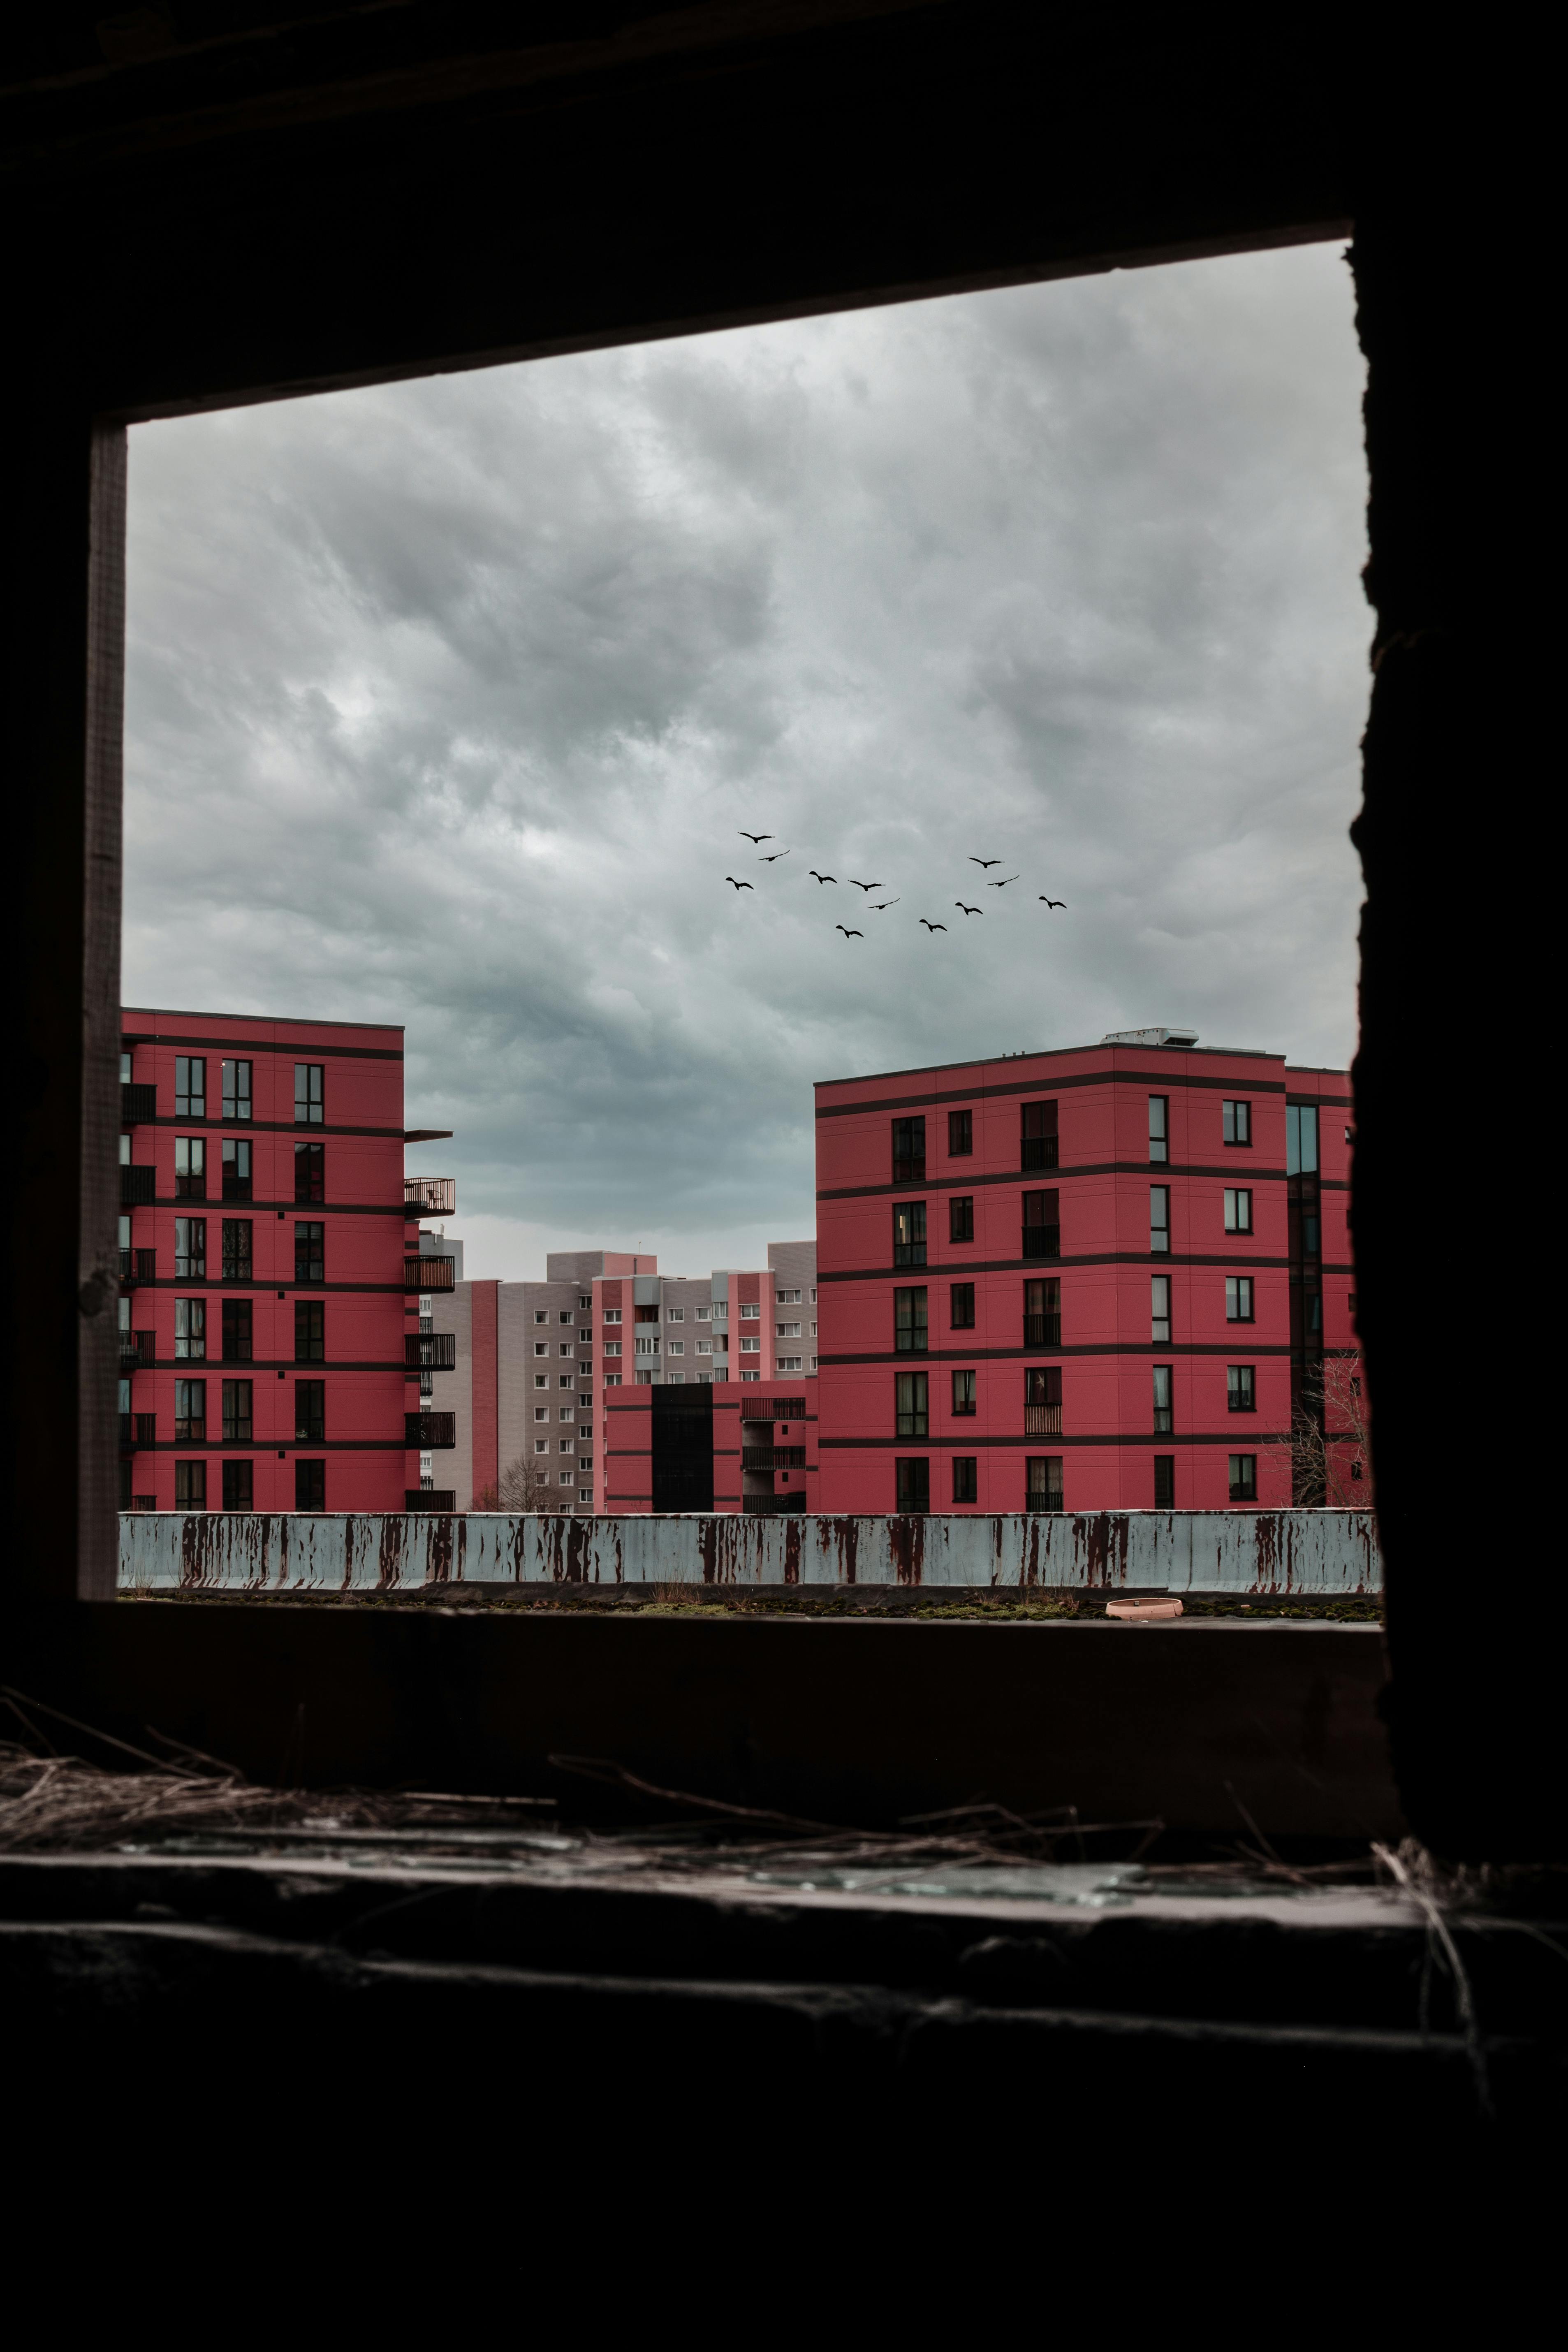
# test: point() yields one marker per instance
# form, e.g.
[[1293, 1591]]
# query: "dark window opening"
[[1163, 1421], [190, 1168], [960, 1134], [310, 1412], [238, 1414], [190, 1413], [311, 1332], [190, 1328], [1043, 1487], [237, 1249], [310, 1486], [237, 1168], [963, 1398], [910, 1322], [961, 1306], [1165, 1482], [309, 1250], [965, 1478], [961, 1217], [238, 1485], [190, 1486], [236, 1090], [236, 1330], [1043, 1401], [910, 1233], [190, 1249], [912, 1484], [911, 1404], [1244, 1477], [1037, 1141], [1043, 1313], [1041, 1225], [909, 1150], [1240, 1388], [309, 1173]]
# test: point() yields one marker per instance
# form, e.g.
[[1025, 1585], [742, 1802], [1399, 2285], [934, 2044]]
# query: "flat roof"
[[1052, 1053]]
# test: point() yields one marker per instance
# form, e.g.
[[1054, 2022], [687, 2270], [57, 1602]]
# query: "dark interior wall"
[[226, 210]]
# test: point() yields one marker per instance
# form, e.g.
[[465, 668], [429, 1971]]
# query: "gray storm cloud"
[[447, 702]]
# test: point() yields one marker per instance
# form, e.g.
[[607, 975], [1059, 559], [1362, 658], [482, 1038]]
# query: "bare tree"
[[1327, 1449], [523, 1486]]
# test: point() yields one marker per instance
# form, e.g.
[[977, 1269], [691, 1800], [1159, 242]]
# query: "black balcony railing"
[[910, 1171], [138, 1105], [138, 1347], [1042, 1331], [1049, 1499], [146, 1430], [430, 1499], [430, 1351], [909, 1252], [136, 1185], [1042, 1241], [430, 1431], [431, 1196], [1038, 1152], [430, 1273], [1042, 1421]]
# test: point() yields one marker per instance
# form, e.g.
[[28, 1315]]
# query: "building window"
[[750, 1347], [1041, 1225], [1159, 1126], [238, 1487], [1239, 1298], [237, 1411], [190, 1328], [1043, 1313], [678, 1347], [565, 1316], [1158, 1220], [309, 1250], [190, 1085], [190, 1168], [783, 1331], [190, 1413], [751, 1313], [310, 1485], [237, 1249], [1300, 1138], [961, 1306], [1043, 1401], [910, 1322], [309, 1174], [1165, 1482], [1238, 1119], [190, 1249], [1240, 1388], [960, 1134], [310, 1412], [908, 1234], [310, 1094], [236, 1090], [542, 1444], [1237, 1210], [965, 1478], [568, 1446], [1244, 1477], [911, 1485], [961, 1217], [645, 1345], [309, 1330], [1164, 1423], [564, 1347], [190, 1486], [782, 1298], [585, 1306], [236, 1330], [787, 1364], [909, 1150], [613, 1346], [1160, 1309], [675, 1314], [612, 1315], [237, 1168], [1312, 1311], [1043, 1482], [963, 1403], [1038, 1140]]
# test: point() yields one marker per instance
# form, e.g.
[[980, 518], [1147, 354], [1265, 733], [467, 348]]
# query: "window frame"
[[960, 1134], [314, 1095]]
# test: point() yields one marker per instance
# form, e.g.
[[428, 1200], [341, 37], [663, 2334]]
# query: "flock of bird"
[[880, 906]]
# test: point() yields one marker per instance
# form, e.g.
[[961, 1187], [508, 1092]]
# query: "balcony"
[[1042, 1421], [146, 1431], [1042, 1331], [138, 1105], [138, 1348], [1042, 1241], [430, 1499], [1038, 1152], [430, 1196], [430, 1351], [431, 1432], [136, 1186], [430, 1273], [773, 1457]]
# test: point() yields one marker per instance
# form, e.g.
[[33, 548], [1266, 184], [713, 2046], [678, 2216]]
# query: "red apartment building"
[[270, 1347], [1085, 1280]]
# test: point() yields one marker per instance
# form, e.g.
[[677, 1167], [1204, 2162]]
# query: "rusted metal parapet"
[[1219, 1552]]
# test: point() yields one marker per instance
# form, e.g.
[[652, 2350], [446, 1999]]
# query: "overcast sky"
[[447, 702]]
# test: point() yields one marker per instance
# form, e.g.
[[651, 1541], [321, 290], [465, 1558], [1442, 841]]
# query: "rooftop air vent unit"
[[1150, 1037]]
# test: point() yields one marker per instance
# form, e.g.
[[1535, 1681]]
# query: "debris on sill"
[[1142, 1612]]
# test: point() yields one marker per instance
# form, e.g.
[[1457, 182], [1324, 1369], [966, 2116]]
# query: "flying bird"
[[740, 885], [882, 905], [869, 886], [967, 911], [933, 927], [1055, 902], [849, 935], [773, 856], [757, 836], [986, 861], [1004, 882], [820, 877]]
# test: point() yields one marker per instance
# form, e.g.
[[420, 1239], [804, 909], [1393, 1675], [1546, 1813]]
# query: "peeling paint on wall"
[[1261, 1553]]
